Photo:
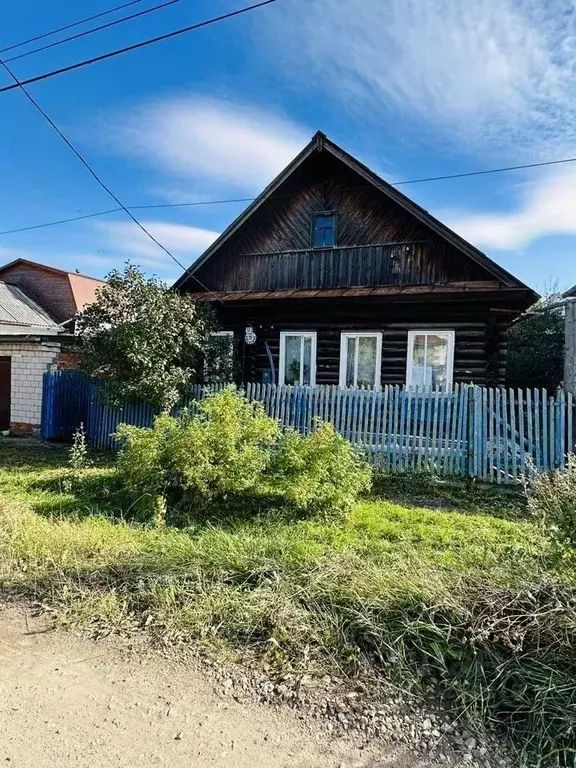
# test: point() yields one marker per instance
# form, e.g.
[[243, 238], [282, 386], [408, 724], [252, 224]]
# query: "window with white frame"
[[430, 359], [360, 357], [297, 358]]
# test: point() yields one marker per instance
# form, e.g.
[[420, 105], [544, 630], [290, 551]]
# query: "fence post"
[[470, 432]]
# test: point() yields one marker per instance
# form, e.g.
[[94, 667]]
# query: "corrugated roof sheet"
[[18, 309]]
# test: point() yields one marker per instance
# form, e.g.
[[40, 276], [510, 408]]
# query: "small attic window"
[[324, 230]]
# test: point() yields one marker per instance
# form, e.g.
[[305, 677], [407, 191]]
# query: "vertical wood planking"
[[537, 443], [513, 436], [545, 453], [521, 437], [505, 436], [530, 427], [491, 433]]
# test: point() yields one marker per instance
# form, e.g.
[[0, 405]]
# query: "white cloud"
[[210, 142], [546, 207], [499, 73], [127, 238]]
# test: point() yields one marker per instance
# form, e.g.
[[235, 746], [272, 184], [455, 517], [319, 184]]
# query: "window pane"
[[350, 360], [292, 360], [366, 361], [437, 360], [307, 341], [323, 231], [420, 378]]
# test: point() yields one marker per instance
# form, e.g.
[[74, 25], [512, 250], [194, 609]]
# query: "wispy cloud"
[[210, 142], [545, 207], [128, 239], [499, 73]]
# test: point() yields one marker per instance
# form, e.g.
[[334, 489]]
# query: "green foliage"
[[536, 349], [231, 451], [79, 455], [218, 454], [320, 472], [552, 499], [146, 341]]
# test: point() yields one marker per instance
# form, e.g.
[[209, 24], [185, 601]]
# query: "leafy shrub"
[[232, 451], [218, 453], [552, 499], [319, 472]]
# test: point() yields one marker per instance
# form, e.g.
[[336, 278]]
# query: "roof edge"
[[40, 265]]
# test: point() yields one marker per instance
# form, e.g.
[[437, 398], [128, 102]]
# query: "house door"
[[5, 390]]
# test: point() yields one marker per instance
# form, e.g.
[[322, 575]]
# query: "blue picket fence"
[[496, 435]]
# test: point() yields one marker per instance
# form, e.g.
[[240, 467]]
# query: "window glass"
[[430, 365], [297, 363], [437, 359], [360, 363], [351, 342], [324, 226], [292, 360], [366, 371]]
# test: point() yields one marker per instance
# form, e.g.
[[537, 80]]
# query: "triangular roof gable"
[[320, 143]]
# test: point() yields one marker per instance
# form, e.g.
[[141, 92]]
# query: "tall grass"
[[467, 605]]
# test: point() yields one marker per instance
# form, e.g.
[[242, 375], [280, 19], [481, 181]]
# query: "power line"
[[483, 173], [69, 26], [91, 31], [94, 175], [251, 199], [135, 46]]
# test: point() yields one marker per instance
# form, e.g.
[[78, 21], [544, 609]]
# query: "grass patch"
[[466, 603]]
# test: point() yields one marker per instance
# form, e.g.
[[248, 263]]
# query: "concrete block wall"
[[29, 362]]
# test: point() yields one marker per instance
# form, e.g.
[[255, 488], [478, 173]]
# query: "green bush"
[[230, 452], [218, 453], [552, 499], [319, 472]]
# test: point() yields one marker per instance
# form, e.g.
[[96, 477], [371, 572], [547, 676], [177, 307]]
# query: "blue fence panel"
[[65, 399]]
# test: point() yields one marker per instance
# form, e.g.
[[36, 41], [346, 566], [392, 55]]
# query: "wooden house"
[[333, 276]]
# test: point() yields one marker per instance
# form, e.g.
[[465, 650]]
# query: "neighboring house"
[[336, 277], [570, 294], [35, 303]]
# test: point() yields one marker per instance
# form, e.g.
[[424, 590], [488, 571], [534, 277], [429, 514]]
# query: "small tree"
[[147, 342], [536, 348]]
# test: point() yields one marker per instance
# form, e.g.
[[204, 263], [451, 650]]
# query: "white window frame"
[[450, 337], [282, 366], [344, 336]]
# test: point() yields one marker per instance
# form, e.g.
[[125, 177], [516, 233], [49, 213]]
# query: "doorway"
[[5, 391]]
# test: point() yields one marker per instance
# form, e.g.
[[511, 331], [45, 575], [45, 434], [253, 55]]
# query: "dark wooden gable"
[[382, 237]]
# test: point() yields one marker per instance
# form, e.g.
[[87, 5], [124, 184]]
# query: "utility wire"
[[95, 176], [91, 31], [251, 199], [135, 46], [69, 26]]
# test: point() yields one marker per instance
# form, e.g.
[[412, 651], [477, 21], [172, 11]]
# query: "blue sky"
[[413, 89]]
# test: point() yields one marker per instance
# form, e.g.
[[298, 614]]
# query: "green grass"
[[466, 598]]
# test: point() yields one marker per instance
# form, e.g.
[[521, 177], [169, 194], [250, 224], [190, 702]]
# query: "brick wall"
[[51, 290], [29, 362]]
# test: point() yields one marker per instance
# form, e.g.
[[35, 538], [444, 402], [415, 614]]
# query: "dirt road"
[[65, 702]]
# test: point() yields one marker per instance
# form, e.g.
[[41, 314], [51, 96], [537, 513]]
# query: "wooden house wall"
[[480, 334], [272, 250]]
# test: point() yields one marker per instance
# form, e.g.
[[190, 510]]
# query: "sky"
[[412, 89]]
